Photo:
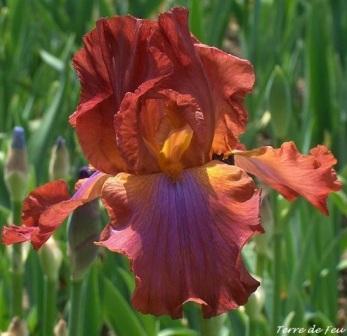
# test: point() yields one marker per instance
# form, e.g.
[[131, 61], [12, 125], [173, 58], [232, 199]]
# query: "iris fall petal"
[[45, 209], [177, 232]]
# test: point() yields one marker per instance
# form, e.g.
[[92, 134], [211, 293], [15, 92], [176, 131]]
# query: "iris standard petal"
[[230, 78], [183, 95], [116, 58], [292, 173], [149, 117], [217, 81], [127, 61], [98, 139], [175, 233], [188, 85], [45, 209]]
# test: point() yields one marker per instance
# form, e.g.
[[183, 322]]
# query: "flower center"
[[169, 156]]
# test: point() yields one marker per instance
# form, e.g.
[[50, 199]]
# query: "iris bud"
[[16, 169], [60, 328], [83, 231], [51, 258], [59, 165], [279, 103], [17, 327], [255, 304]]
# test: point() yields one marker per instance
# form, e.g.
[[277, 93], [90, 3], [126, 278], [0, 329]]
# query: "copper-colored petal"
[[14, 234], [230, 78], [182, 94], [216, 81], [46, 208], [292, 173], [188, 78], [97, 138], [149, 116], [42, 198], [175, 233], [116, 58], [127, 61]]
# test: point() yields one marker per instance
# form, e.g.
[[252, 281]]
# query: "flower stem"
[[50, 299], [212, 326], [17, 267], [277, 251], [75, 308]]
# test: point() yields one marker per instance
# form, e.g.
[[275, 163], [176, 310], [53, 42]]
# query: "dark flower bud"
[[83, 231], [85, 172]]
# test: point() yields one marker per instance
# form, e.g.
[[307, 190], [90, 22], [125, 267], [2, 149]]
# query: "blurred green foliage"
[[305, 40]]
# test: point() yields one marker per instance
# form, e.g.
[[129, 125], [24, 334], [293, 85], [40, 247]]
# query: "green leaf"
[[319, 319], [128, 278], [318, 74], [218, 21], [3, 308], [118, 314], [38, 143], [92, 319], [239, 322], [340, 200], [140, 8], [51, 60], [213, 326], [196, 19]]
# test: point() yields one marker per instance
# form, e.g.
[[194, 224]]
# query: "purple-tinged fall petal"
[[177, 232]]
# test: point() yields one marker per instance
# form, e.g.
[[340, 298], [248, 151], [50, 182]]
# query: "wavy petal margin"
[[230, 79], [175, 233], [46, 208], [117, 58], [126, 61], [291, 173]]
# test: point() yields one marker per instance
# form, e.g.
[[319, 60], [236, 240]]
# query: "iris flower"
[[155, 105]]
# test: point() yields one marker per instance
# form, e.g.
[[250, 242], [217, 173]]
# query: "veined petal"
[[292, 173], [127, 61], [188, 85], [98, 139], [14, 234], [230, 78], [116, 58], [175, 233], [182, 94], [217, 82], [46, 208], [148, 118]]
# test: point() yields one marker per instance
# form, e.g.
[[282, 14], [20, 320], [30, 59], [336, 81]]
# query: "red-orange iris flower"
[[155, 105]]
